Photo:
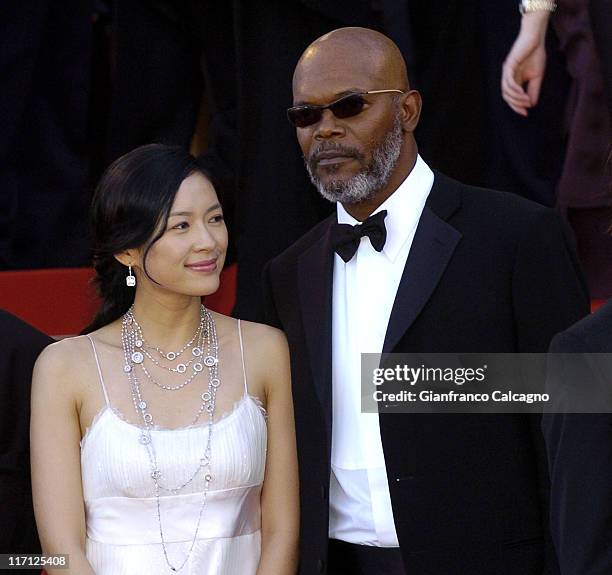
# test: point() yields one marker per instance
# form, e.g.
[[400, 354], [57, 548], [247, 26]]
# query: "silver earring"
[[130, 280]]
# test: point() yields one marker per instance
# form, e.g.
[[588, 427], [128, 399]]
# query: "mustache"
[[323, 147]]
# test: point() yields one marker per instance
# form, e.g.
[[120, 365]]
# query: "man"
[[461, 270], [579, 448], [22, 344]]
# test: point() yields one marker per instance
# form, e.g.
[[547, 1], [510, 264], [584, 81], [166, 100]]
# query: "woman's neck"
[[167, 323]]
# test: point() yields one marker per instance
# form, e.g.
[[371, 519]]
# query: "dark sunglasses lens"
[[303, 116], [348, 106]]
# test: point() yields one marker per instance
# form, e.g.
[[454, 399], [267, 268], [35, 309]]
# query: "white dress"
[[123, 533]]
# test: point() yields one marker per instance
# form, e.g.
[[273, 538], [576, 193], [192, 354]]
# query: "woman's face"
[[189, 256]]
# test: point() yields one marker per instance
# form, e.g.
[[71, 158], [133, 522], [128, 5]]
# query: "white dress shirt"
[[364, 290]]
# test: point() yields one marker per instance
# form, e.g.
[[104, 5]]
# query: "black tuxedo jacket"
[[580, 452], [487, 272], [21, 345]]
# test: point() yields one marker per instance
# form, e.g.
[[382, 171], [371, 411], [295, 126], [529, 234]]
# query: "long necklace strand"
[[133, 341]]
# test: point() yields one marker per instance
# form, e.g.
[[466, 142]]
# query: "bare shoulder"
[[265, 350], [60, 364], [258, 337], [59, 356], [268, 351], [264, 339]]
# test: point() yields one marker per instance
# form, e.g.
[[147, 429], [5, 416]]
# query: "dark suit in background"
[[580, 454], [21, 344], [487, 272]]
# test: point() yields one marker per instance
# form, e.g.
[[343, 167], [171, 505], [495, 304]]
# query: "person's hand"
[[523, 70]]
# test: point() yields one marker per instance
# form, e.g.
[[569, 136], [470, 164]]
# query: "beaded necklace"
[[136, 351]]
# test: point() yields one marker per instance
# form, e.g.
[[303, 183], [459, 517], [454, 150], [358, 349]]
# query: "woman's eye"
[[216, 219], [181, 226]]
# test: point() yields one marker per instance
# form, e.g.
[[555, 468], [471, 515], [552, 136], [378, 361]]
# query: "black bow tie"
[[346, 238]]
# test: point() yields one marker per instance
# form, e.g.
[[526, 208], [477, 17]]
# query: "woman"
[[150, 448]]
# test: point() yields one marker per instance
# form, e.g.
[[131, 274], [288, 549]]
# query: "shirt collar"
[[404, 207]]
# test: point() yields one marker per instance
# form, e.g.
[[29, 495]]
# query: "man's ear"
[[411, 110], [127, 258]]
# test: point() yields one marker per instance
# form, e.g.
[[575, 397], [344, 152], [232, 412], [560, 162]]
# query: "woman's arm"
[[280, 495], [55, 457], [523, 70]]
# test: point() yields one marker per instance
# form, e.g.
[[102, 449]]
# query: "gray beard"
[[373, 178]]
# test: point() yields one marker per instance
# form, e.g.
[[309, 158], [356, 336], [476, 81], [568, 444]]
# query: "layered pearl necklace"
[[204, 347]]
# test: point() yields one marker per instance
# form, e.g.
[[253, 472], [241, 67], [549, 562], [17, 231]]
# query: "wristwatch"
[[526, 6]]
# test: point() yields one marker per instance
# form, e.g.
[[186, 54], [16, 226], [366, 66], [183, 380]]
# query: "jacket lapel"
[[432, 247], [315, 276]]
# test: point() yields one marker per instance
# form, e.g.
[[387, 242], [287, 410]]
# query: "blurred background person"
[[583, 196], [579, 447], [21, 346]]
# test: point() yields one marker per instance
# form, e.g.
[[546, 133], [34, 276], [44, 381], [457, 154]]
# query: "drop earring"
[[130, 280]]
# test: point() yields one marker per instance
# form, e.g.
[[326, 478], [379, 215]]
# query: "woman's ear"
[[127, 257]]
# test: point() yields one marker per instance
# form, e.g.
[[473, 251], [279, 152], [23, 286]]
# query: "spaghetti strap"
[[246, 389], [99, 370]]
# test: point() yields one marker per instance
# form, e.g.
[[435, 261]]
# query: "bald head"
[[355, 116], [359, 51]]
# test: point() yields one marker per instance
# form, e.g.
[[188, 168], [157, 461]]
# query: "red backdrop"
[[63, 301]]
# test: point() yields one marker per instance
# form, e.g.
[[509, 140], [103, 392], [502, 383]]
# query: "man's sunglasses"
[[345, 107]]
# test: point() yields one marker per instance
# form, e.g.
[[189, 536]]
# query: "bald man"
[[410, 262]]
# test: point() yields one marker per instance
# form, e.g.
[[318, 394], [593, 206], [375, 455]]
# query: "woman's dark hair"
[[131, 202]]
